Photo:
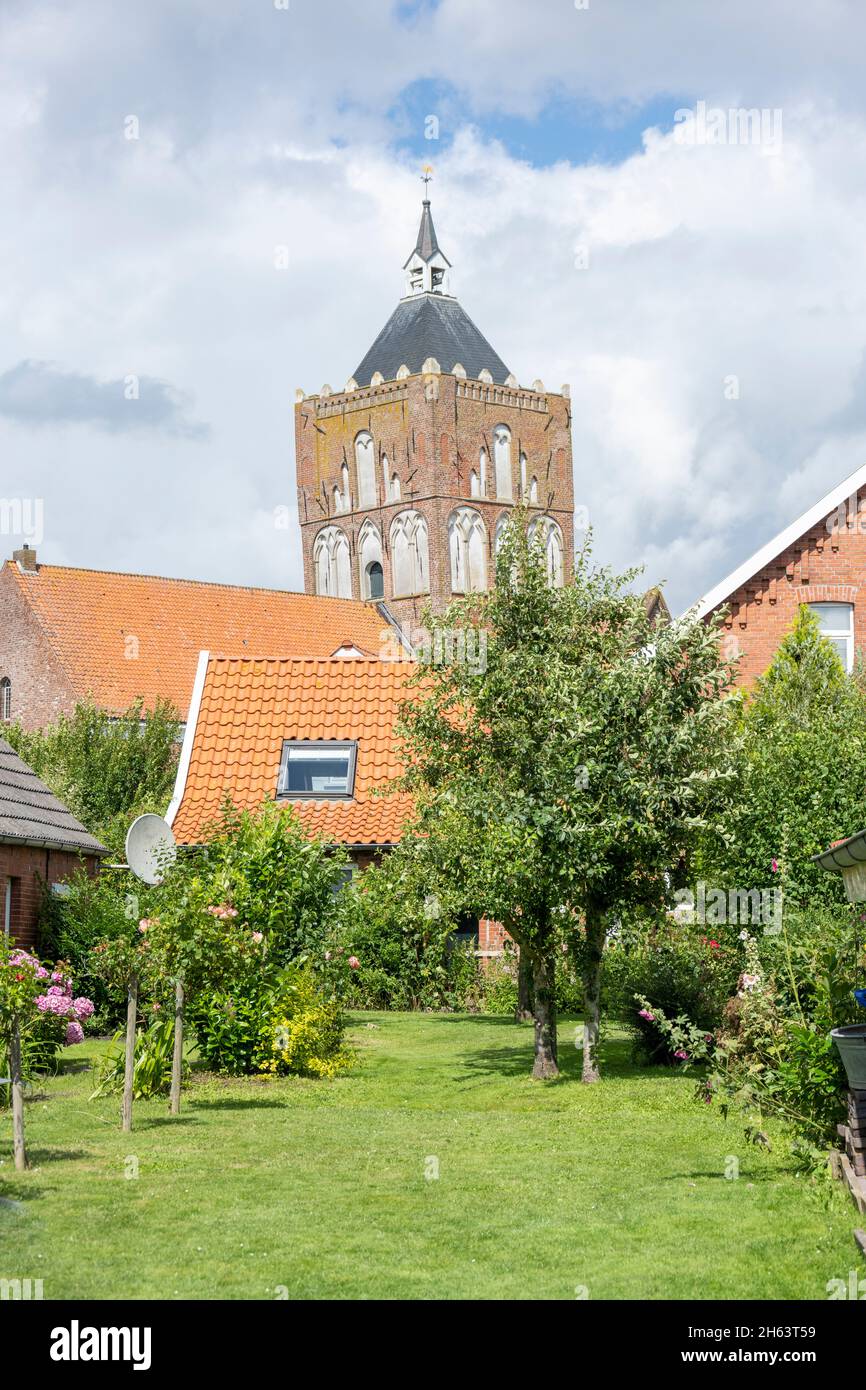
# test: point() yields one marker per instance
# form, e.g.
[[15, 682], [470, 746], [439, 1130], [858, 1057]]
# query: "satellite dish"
[[150, 848]]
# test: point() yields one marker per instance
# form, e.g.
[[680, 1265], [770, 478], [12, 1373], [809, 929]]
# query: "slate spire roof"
[[429, 324], [31, 815], [426, 245]]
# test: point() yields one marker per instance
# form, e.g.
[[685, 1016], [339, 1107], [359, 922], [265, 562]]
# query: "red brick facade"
[[23, 871], [40, 687], [428, 431], [826, 564]]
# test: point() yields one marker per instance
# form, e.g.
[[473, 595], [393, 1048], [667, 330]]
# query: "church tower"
[[407, 475]]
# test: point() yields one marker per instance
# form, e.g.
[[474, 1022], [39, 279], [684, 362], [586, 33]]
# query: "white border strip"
[[188, 737], [773, 548]]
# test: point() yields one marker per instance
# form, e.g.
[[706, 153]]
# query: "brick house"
[[66, 634], [41, 843], [407, 475], [819, 560]]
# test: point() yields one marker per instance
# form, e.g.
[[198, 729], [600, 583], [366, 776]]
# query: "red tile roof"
[[124, 636], [249, 706]]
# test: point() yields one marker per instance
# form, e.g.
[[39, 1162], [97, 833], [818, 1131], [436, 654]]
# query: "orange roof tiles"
[[249, 706], [121, 637]]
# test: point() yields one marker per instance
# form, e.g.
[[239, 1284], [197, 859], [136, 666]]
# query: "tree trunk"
[[523, 1013], [592, 993], [129, 1072], [177, 1057], [17, 1084], [544, 1012]]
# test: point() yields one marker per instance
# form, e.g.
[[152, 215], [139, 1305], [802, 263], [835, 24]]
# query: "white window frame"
[[348, 746], [838, 634]]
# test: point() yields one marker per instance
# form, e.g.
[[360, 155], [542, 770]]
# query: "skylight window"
[[318, 771]]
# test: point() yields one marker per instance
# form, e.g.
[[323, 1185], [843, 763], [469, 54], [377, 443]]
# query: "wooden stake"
[[131, 1013], [177, 1058], [17, 1099]]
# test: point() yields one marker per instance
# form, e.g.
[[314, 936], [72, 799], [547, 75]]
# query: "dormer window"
[[317, 771]]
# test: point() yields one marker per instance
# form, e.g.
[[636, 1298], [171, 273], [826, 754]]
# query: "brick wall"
[[431, 429], [823, 566], [28, 868], [40, 688]]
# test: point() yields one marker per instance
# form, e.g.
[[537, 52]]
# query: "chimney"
[[26, 558]]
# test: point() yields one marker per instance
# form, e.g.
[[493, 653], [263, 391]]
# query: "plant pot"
[[860, 996], [851, 1042]]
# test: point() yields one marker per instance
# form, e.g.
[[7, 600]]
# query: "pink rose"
[[683, 1056], [354, 963], [645, 1013]]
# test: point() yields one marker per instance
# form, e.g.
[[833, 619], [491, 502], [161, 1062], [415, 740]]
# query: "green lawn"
[[319, 1188]]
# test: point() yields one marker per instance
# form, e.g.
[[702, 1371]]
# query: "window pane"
[[833, 617], [840, 647], [316, 770]]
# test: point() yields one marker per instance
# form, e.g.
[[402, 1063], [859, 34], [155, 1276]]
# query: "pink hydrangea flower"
[[83, 1007], [74, 1034], [354, 963]]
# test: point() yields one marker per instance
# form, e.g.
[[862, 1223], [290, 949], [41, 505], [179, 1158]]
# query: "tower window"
[[366, 469], [502, 461], [467, 543], [546, 530], [317, 770], [410, 561], [375, 580], [331, 563], [5, 698], [370, 561], [438, 277]]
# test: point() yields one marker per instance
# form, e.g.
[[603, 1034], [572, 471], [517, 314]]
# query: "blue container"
[[860, 996]]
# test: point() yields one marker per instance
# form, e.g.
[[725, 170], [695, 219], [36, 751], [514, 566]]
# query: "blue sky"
[[563, 130]]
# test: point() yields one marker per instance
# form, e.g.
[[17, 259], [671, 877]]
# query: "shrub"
[[154, 1051], [287, 1024], [43, 1002], [94, 909], [404, 934], [681, 972]]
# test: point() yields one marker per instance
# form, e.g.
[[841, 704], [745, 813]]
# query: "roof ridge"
[[201, 583]]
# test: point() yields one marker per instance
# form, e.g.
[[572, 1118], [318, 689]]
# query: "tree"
[[802, 771], [563, 776], [105, 769]]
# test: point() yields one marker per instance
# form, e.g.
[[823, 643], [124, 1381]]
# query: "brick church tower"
[[406, 476]]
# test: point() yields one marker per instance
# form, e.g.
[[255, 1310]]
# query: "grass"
[[312, 1189]]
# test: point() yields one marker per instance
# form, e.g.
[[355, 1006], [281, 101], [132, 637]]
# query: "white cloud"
[[156, 257]]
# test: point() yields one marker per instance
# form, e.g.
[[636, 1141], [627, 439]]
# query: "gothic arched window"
[[533, 492], [370, 561], [410, 562], [522, 474], [545, 529], [5, 698], [331, 563], [482, 473], [474, 489], [467, 544], [502, 461], [365, 464]]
